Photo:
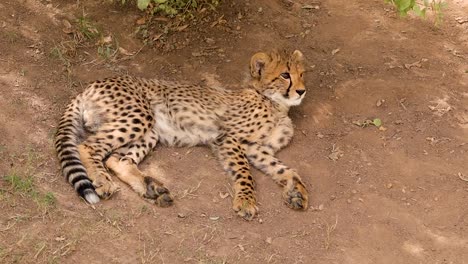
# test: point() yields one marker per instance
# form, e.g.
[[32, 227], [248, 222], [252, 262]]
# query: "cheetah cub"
[[125, 117]]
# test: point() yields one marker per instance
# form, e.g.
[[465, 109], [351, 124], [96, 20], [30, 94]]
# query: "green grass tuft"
[[25, 187]]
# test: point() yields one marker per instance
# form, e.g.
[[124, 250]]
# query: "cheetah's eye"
[[285, 75]]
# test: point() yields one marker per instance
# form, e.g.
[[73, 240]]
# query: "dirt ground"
[[397, 194]]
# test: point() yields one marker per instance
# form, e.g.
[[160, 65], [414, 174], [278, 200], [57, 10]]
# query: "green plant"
[[20, 184], [175, 7], [47, 200], [87, 28], [419, 8], [375, 122], [25, 187]]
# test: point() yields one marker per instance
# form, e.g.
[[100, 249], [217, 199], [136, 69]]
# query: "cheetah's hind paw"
[[157, 193]]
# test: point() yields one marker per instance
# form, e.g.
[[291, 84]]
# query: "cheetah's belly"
[[188, 133]]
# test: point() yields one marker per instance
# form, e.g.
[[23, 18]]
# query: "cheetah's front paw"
[[296, 195], [157, 193], [245, 207]]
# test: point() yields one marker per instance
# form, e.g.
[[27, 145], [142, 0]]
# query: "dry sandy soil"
[[398, 194]]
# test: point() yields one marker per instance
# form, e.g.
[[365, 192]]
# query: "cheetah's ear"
[[257, 64], [297, 57]]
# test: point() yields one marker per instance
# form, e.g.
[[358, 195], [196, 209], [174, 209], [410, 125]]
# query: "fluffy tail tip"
[[91, 197]]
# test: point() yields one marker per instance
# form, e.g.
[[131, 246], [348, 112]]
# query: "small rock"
[[335, 51], [214, 218], [181, 215], [223, 195], [462, 177], [269, 240], [197, 54], [209, 41], [311, 7], [389, 186], [320, 207]]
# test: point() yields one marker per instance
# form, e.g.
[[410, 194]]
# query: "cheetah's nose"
[[300, 92]]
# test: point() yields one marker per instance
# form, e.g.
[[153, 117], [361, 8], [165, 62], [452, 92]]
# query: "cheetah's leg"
[[294, 191], [235, 163], [109, 137], [123, 163]]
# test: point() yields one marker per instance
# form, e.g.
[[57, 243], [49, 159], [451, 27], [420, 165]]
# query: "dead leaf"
[[141, 21], [336, 153], [181, 28], [107, 39], [442, 106], [414, 64], [162, 19], [68, 29], [157, 36], [125, 52], [241, 247]]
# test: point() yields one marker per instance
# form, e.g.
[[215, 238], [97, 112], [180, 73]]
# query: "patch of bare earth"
[[397, 194]]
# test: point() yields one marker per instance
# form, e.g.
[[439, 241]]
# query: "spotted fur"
[[125, 117]]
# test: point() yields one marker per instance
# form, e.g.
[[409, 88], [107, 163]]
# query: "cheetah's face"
[[279, 76]]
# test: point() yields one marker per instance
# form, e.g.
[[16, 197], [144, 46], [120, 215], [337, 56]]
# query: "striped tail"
[[67, 138]]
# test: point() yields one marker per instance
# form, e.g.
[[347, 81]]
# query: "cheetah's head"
[[279, 76]]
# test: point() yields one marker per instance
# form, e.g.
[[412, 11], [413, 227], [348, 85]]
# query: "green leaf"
[[377, 122], [404, 5], [160, 1], [143, 4], [418, 11]]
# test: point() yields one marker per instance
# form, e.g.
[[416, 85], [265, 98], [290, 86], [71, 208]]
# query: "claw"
[[245, 207], [297, 198]]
